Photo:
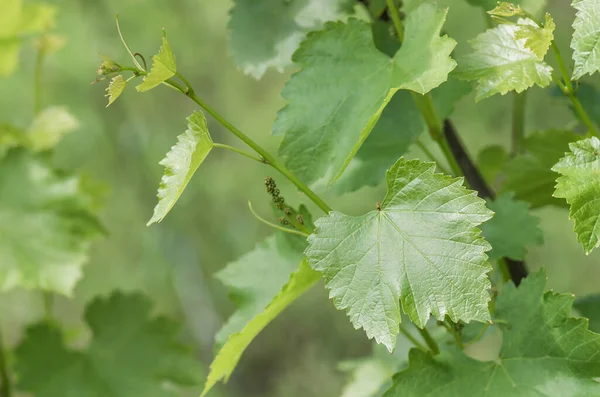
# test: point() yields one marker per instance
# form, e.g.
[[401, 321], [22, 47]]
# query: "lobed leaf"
[[586, 37], [502, 62], [511, 229], [580, 186], [544, 353], [163, 67], [231, 352], [115, 88], [537, 39], [49, 127], [420, 249], [181, 163], [345, 83], [130, 354]]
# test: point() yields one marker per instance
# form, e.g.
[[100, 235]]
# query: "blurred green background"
[[174, 262]]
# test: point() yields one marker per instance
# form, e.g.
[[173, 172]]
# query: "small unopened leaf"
[[345, 83], [506, 9], [501, 62], [420, 248], [512, 229], [231, 352], [49, 127], [131, 353], [181, 163], [579, 184], [115, 88], [544, 352], [586, 37], [163, 67]]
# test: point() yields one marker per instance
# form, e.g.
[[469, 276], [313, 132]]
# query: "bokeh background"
[[174, 262]]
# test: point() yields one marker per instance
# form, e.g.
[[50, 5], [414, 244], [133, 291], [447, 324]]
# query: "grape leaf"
[[544, 353], [579, 185], [529, 175], [46, 225], [586, 37], [48, 128], [511, 229], [181, 163], [115, 88], [537, 39], [231, 352], [255, 278], [130, 354], [421, 248], [163, 67], [264, 34], [345, 84], [502, 62], [589, 306], [534, 7]]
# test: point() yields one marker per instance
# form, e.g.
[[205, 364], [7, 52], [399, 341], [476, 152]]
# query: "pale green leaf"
[[586, 37], [131, 354], [501, 62], [420, 248], [10, 17], [181, 163], [231, 352], [589, 306], [265, 34], [49, 127], [544, 353], [345, 83], [506, 9], [579, 184], [529, 174], [163, 67], [535, 7], [45, 226], [255, 278], [512, 229], [115, 88], [537, 39], [369, 376]]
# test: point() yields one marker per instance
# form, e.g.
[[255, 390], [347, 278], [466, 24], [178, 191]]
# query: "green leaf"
[[37, 17], [130, 354], [529, 175], [580, 186], [46, 225], [265, 34], [48, 128], [163, 67], [502, 62], [589, 306], [511, 229], [421, 248], [369, 376], [544, 353], [115, 88], [255, 278], [537, 39], [586, 38], [229, 355], [326, 123], [505, 9], [490, 162], [181, 163], [534, 7]]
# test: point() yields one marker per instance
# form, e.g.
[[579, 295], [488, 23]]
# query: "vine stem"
[[5, 386], [431, 343], [239, 151], [411, 338], [396, 19], [518, 122]]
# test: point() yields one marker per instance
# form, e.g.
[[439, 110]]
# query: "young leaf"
[[502, 62], [163, 67], [265, 34], [586, 38], [345, 84], [115, 88], [131, 354], [255, 278], [45, 226], [420, 248], [506, 9], [49, 127], [181, 163], [529, 175], [537, 39], [229, 355], [511, 229], [580, 186], [534, 7], [544, 353]]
